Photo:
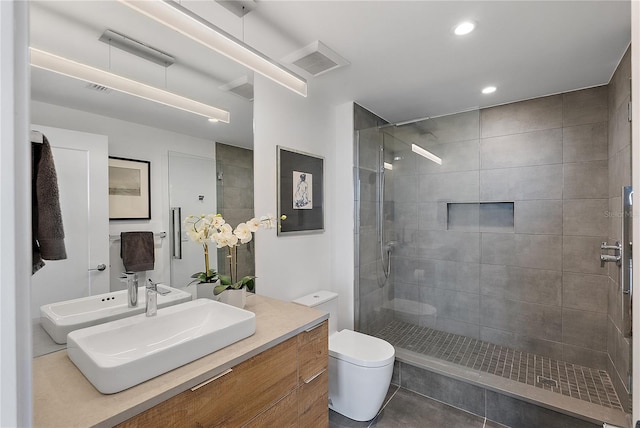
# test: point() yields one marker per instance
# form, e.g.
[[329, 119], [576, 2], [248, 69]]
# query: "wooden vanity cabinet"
[[284, 386]]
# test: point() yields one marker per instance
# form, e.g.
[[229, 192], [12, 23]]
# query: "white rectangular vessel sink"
[[120, 354], [60, 318]]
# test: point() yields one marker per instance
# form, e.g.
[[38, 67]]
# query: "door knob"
[[100, 267]]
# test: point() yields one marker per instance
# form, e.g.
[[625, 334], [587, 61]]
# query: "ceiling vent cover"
[[315, 59], [242, 87], [98, 88]]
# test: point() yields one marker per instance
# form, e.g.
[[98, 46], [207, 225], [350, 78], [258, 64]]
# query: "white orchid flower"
[[217, 221], [253, 224], [243, 233]]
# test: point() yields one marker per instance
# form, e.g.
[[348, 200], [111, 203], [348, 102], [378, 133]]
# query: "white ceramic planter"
[[237, 298]]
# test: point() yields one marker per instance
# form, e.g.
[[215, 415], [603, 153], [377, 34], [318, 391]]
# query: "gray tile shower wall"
[[540, 287], [235, 200], [619, 160]]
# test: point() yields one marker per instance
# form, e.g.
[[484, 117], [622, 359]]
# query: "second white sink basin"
[[60, 318], [120, 354]]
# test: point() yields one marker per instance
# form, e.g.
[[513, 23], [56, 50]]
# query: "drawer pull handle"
[[206, 382], [314, 327], [315, 376]]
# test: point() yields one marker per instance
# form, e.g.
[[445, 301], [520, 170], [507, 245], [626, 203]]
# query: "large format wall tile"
[[444, 129], [432, 215], [405, 188], [538, 217], [530, 319], [458, 156], [448, 245], [529, 285], [620, 84], [453, 186], [586, 180], [532, 148], [584, 143], [586, 217], [586, 292], [522, 342], [584, 328], [581, 254], [517, 413], [452, 275], [516, 184], [584, 356], [448, 390], [532, 251], [524, 116], [585, 106]]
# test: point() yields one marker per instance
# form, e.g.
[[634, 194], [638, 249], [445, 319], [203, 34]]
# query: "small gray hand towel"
[[137, 251], [46, 222]]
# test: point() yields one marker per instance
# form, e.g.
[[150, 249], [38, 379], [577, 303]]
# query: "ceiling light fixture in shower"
[[425, 153], [388, 166], [489, 90], [464, 28]]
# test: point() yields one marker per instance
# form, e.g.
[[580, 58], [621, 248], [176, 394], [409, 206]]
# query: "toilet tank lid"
[[316, 298]]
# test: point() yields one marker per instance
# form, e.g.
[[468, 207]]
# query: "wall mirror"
[[180, 146]]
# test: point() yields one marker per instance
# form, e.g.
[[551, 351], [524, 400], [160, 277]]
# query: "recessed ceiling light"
[[464, 28], [489, 90], [212, 120]]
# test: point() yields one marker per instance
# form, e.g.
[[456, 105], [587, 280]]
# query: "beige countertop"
[[63, 397]]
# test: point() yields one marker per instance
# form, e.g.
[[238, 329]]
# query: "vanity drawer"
[[313, 351], [283, 414], [313, 402], [232, 399]]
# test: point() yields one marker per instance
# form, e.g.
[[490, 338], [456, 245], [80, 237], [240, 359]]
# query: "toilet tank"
[[323, 300]]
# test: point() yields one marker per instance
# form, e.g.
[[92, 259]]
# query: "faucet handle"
[[152, 285]]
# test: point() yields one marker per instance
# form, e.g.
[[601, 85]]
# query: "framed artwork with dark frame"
[[129, 189], [300, 192]]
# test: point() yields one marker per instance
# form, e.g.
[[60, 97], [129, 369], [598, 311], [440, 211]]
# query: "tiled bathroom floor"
[[407, 409], [568, 379]]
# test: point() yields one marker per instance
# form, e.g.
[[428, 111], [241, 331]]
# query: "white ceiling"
[[405, 61]]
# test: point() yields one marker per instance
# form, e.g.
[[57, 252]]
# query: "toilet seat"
[[360, 349]]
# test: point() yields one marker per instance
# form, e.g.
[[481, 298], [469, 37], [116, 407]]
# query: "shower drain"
[[547, 382]]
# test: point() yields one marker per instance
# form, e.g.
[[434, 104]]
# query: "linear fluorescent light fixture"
[[185, 22], [388, 165], [76, 70], [425, 153], [127, 44]]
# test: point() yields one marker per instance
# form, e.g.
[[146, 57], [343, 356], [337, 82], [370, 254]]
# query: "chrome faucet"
[[131, 279], [152, 298]]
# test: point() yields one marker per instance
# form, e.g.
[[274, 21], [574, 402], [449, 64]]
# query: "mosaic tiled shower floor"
[[568, 379]]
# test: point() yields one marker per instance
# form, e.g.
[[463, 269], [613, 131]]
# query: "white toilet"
[[360, 366]]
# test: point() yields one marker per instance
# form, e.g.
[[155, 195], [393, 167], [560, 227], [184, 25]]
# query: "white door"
[[192, 190], [81, 161]]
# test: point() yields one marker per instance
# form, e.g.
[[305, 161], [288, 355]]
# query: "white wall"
[[134, 141], [288, 267], [15, 251]]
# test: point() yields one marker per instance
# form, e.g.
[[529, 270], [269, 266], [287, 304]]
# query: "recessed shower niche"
[[480, 217]]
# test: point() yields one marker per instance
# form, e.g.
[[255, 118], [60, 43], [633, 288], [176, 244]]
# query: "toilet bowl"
[[360, 366]]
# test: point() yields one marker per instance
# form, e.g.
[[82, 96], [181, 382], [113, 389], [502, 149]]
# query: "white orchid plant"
[[213, 229]]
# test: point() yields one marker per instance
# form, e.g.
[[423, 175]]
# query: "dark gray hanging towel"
[[46, 220], [137, 251]]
